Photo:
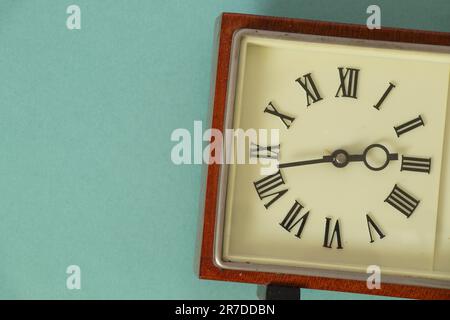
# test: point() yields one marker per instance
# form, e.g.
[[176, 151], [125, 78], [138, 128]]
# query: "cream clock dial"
[[363, 159]]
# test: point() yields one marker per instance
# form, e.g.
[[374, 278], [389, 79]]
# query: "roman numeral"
[[386, 93], [402, 201], [310, 88], [336, 234], [284, 118], [291, 220], [349, 83], [266, 186], [408, 126], [372, 225], [416, 164], [269, 152]]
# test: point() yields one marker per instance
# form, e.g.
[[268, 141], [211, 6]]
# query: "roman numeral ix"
[[416, 164], [292, 220], [287, 120], [266, 188], [349, 83], [409, 125], [269, 152], [402, 201], [312, 94], [336, 234]]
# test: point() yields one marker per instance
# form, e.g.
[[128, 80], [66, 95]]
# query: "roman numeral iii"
[[266, 188], [416, 164], [409, 125], [335, 234], [312, 94], [291, 220], [287, 120], [402, 201], [269, 152], [349, 83]]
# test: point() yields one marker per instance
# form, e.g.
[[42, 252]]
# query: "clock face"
[[363, 159]]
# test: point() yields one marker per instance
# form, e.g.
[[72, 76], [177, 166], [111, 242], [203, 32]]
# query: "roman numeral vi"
[[336, 234]]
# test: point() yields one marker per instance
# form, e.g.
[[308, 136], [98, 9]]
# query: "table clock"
[[362, 173]]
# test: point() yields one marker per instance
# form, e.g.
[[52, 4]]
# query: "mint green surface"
[[85, 123]]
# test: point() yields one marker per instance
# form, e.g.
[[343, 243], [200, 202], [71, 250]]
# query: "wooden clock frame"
[[228, 24]]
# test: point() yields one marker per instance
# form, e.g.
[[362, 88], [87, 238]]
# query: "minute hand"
[[324, 159]]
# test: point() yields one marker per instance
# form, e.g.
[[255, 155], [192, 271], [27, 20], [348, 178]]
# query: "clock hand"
[[340, 158], [324, 159], [363, 157]]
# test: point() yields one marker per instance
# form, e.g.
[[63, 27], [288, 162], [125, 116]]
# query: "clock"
[[357, 173]]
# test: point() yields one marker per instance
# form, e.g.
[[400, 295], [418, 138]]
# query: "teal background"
[[85, 123]]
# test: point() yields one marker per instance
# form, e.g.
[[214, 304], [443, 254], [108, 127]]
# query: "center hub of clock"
[[340, 158]]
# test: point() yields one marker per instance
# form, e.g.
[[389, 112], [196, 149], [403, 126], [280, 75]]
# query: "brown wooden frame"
[[229, 23]]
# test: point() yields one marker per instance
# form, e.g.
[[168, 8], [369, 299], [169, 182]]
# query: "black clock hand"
[[340, 158], [363, 157], [324, 159]]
